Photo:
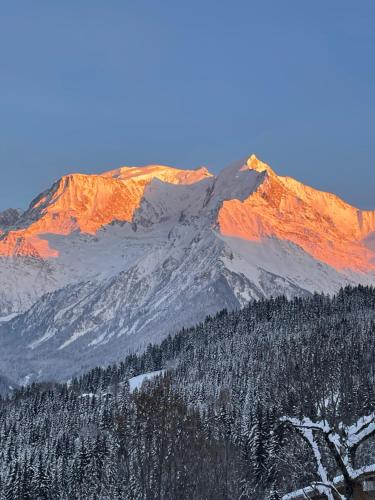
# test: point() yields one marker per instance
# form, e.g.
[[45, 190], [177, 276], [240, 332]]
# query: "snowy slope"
[[101, 265], [137, 382]]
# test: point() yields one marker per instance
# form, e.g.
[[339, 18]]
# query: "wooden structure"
[[364, 487]]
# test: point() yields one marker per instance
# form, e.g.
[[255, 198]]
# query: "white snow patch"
[[4, 319], [136, 382]]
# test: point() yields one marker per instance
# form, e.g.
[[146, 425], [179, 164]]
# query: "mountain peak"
[[86, 203], [320, 223], [253, 163], [253, 202]]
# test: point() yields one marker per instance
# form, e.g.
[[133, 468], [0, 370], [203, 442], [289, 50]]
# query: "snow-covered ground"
[[137, 382], [4, 319]]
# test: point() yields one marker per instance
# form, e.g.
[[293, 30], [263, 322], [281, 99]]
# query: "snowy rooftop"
[[308, 490]]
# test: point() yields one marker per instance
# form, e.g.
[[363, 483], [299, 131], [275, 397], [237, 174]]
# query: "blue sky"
[[88, 86]]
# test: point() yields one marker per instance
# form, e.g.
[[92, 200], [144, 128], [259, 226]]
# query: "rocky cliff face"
[[8, 218]]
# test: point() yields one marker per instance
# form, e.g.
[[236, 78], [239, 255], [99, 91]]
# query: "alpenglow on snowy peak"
[[103, 264]]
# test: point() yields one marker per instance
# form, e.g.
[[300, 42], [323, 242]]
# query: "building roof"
[[361, 474]]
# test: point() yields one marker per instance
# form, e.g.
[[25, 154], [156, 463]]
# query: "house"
[[364, 487]]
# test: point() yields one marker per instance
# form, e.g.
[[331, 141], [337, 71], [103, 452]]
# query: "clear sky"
[[88, 86]]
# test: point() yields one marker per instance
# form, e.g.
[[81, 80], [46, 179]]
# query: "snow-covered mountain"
[[103, 264]]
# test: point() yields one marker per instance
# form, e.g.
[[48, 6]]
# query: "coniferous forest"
[[210, 427]]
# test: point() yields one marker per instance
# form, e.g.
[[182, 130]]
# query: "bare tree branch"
[[306, 429]]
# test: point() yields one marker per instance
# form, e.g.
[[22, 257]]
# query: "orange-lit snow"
[[86, 203], [321, 223]]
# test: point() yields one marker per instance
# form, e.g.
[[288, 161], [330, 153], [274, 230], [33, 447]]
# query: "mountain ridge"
[[104, 264]]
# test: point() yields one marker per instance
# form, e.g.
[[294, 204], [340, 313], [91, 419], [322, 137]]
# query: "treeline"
[[210, 428], [59, 444]]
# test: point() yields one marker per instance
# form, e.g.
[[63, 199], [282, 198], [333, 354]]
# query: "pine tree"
[[274, 495]]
